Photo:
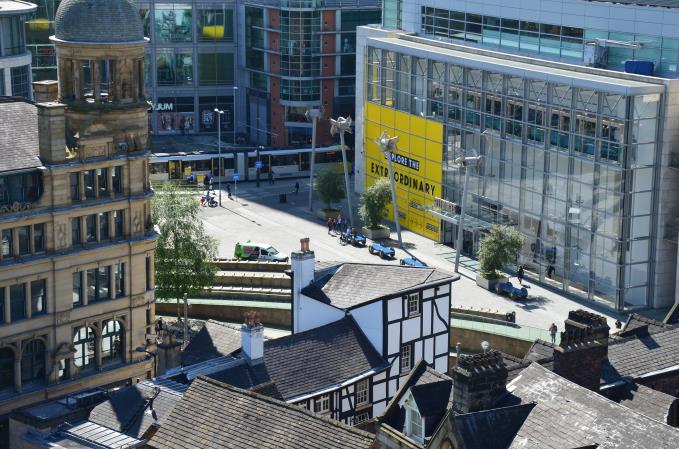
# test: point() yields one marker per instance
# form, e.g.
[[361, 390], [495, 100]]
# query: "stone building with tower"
[[76, 261]]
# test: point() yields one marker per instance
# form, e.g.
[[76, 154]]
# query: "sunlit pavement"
[[256, 214]]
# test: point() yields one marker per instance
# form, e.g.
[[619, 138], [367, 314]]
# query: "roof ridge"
[[285, 405]]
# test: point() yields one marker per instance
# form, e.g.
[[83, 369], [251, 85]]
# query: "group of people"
[[337, 225]]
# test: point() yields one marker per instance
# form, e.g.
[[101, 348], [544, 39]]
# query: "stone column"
[[112, 80], [8, 306], [140, 68], [17, 372], [95, 68], [83, 288], [110, 181], [77, 79], [97, 351], [27, 292]]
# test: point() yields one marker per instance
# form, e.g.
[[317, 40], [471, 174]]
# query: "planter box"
[[380, 233], [324, 214], [490, 284]]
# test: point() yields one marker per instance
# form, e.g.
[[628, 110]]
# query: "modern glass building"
[[579, 159], [39, 28], [15, 60]]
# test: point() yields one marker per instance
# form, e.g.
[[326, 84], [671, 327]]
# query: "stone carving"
[[61, 235], [138, 300], [62, 317], [15, 207], [136, 222]]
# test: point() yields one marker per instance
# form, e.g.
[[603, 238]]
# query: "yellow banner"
[[417, 164]]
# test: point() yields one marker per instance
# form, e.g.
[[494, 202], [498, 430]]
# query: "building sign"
[[417, 164], [446, 206], [166, 107]]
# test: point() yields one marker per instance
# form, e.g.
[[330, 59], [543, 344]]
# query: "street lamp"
[[466, 163], [235, 108], [388, 146], [258, 163], [219, 145], [343, 125], [312, 115], [152, 354]]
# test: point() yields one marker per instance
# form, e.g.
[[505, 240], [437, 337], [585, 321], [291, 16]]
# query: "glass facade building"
[[571, 157], [15, 60]]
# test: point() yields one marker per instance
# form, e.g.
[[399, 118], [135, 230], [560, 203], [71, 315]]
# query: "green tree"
[[330, 186], [498, 249], [184, 257], [374, 203]]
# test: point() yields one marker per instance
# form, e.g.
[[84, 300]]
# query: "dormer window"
[[413, 304], [322, 404], [414, 424]]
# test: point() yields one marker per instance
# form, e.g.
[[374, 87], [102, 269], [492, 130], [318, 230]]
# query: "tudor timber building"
[[76, 267]]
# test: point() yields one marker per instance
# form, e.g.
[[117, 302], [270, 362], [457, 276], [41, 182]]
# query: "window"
[[215, 68], [75, 186], [17, 298], [98, 284], [149, 282], [215, 24], [24, 236], [118, 224], [38, 294], [7, 247], [119, 279], [2, 305], [102, 177], [6, 368], [173, 23], [111, 342], [361, 417], [117, 179], [83, 342], [413, 304], [103, 226], [20, 84], [406, 356], [174, 68], [91, 228], [322, 404], [75, 231], [33, 362], [77, 288], [414, 427], [39, 238], [362, 395], [88, 181]]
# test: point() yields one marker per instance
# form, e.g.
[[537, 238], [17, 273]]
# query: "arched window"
[[6, 368], [112, 347], [33, 362], [84, 343]]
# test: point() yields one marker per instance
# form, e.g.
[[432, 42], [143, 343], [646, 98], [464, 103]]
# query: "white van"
[[258, 251]]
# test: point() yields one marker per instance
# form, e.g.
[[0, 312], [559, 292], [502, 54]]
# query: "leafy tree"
[[184, 257], [374, 203], [499, 248], [330, 186]]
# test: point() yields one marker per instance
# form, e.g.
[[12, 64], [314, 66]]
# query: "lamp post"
[[312, 115], [152, 354], [466, 163], [258, 163], [388, 145], [343, 125], [219, 113], [235, 107]]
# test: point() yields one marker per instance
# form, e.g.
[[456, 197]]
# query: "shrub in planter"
[[374, 203], [498, 249], [330, 187]]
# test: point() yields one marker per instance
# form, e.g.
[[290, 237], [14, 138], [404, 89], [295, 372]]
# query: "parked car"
[[506, 288], [413, 262], [349, 238], [385, 252], [258, 251]]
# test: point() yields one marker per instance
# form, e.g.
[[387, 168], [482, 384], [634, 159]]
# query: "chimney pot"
[[252, 338]]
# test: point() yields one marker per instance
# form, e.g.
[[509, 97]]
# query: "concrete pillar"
[[142, 87], [8, 306], [109, 182], [27, 292], [83, 285], [17, 372], [77, 79]]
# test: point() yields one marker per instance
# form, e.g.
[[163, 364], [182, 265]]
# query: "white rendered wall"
[[312, 314], [369, 319]]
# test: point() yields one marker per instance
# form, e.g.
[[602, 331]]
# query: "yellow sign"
[[417, 163]]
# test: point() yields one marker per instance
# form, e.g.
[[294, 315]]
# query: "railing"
[[497, 327]]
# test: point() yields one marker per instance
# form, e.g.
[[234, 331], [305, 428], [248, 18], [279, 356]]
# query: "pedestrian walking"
[[552, 332], [270, 177], [334, 225], [550, 271], [339, 224], [296, 188], [228, 190], [519, 274], [329, 223], [618, 324], [210, 183]]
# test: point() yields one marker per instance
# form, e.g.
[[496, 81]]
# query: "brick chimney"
[[252, 338], [479, 380], [45, 91], [52, 132], [302, 266], [580, 357], [582, 319]]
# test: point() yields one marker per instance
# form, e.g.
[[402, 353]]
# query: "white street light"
[[388, 146], [466, 163], [343, 125], [312, 115], [219, 144]]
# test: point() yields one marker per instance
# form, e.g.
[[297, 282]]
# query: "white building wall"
[[312, 314], [369, 319]]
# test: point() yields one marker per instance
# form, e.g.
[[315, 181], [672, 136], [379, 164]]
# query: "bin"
[[283, 198]]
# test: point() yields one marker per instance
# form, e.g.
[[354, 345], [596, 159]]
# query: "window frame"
[[362, 392], [38, 299], [413, 299], [406, 363], [322, 404]]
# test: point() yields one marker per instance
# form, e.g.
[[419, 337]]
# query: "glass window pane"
[[102, 176], [91, 285], [91, 228], [103, 226], [75, 231], [173, 23], [7, 246], [174, 67], [17, 297], [88, 180], [103, 283], [215, 68], [24, 234], [77, 288], [39, 238], [75, 186], [216, 24], [38, 294]]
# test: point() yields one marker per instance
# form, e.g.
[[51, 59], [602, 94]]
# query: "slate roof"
[[433, 394], [636, 356], [353, 284], [540, 351], [215, 339], [309, 361], [128, 410], [491, 429], [18, 135], [636, 321], [92, 435], [98, 21], [569, 416], [214, 415], [652, 403]]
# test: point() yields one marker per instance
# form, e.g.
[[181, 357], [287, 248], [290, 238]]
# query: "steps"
[[246, 280]]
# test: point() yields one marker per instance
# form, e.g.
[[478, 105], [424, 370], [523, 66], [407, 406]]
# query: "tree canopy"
[[185, 253], [374, 203], [498, 249], [330, 186]]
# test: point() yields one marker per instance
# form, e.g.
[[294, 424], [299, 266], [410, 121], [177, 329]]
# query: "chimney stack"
[[303, 267], [45, 91], [252, 338], [581, 319], [580, 357], [52, 132], [479, 380]]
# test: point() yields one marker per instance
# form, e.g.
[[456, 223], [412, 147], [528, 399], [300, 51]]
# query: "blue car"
[[353, 239], [412, 262], [385, 252]]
